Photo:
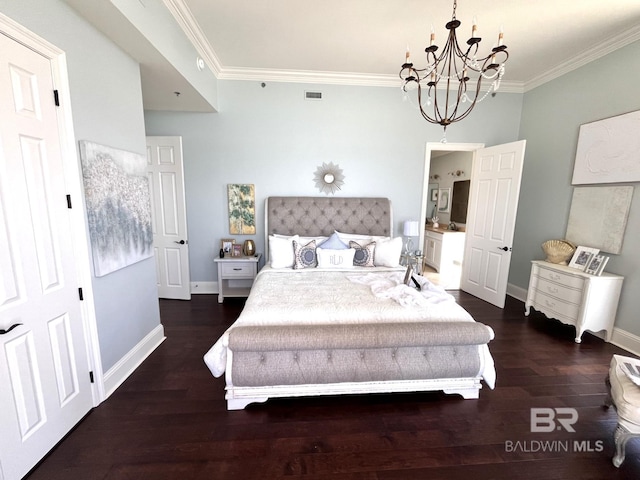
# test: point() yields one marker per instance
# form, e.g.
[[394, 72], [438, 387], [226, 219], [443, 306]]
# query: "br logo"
[[551, 419]]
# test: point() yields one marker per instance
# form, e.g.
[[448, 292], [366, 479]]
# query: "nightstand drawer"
[[560, 277], [559, 291], [239, 269]]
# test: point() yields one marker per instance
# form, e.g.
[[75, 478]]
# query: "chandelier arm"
[[422, 112]]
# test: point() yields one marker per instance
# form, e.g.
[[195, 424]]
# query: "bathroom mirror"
[[460, 201]]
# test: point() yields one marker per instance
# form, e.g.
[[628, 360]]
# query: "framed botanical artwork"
[[596, 265], [237, 250], [582, 256], [226, 244], [444, 200], [242, 209]]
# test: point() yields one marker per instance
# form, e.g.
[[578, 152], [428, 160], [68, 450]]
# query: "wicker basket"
[[558, 251]]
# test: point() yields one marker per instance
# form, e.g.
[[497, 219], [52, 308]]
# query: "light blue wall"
[[272, 137], [551, 117], [106, 101]]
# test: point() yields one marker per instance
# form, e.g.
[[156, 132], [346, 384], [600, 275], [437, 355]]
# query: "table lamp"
[[410, 229]]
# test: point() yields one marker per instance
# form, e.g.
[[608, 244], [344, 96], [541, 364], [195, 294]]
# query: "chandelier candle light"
[[452, 73]]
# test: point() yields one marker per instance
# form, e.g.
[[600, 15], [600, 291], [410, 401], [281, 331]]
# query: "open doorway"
[[447, 178]]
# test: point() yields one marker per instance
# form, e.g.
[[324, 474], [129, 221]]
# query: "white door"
[[493, 201], [44, 371], [169, 217]]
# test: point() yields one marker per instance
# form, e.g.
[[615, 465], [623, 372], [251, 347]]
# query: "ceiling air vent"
[[313, 95]]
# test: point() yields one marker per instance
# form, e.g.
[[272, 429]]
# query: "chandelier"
[[452, 81]]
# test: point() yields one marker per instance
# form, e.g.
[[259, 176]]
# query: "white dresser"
[[585, 301]]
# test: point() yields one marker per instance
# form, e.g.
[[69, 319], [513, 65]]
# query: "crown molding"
[[180, 11], [603, 48], [182, 14], [189, 25], [331, 78]]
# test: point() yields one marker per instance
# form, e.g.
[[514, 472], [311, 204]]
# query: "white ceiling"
[[363, 42]]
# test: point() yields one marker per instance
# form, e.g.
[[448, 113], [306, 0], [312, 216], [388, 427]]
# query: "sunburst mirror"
[[328, 178]]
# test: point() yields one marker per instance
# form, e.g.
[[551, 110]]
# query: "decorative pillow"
[[388, 252], [281, 251], [364, 255], [341, 258], [333, 243], [304, 255]]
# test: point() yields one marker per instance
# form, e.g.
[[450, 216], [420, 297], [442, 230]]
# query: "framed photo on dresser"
[[596, 265], [582, 256]]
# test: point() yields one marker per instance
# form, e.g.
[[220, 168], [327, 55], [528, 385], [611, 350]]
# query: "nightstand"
[[236, 275]]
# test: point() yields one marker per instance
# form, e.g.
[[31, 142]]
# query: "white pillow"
[[328, 258], [361, 239], [300, 239], [387, 253], [281, 253]]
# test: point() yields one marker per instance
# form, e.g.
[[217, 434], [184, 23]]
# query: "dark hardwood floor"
[[169, 419]]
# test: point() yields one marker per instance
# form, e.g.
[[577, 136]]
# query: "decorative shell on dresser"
[[558, 251]]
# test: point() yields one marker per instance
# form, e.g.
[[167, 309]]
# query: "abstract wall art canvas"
[[242, 209], [118, 206], [608, 151]]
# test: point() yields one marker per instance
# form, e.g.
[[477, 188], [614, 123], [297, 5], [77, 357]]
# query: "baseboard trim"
[[132, 360], [628, 341], [516, 292], [204, 288]]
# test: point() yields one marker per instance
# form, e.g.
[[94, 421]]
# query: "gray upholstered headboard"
[[315, 216]]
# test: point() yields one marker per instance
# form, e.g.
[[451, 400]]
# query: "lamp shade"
[[411, 228]]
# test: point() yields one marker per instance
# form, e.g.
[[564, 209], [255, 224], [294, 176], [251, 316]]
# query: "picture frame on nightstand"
[[582, 256], [237, 250], [226, 244], [596, 265]]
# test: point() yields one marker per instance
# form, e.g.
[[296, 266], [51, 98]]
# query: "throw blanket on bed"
[[391, 285], [327, 297]]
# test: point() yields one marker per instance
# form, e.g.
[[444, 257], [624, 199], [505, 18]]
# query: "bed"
[[344, 321]]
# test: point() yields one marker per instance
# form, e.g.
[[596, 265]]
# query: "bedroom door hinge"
[[56, 98], [69, 201], [80, 295], [91, 377]]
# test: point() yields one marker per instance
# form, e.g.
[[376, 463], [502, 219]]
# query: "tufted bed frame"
[[309, 360], [315, 216]]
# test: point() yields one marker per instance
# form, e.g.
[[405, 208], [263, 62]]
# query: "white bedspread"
[[357, 295]]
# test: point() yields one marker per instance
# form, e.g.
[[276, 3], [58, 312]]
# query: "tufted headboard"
[[315, 216]]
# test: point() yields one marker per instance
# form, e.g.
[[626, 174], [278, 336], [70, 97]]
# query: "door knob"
[[181, 242], [506, 249], [2, 331]]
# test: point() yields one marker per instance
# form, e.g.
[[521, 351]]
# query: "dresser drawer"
[[238, 269], [553, 307], [561, 292], [561, 277]]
